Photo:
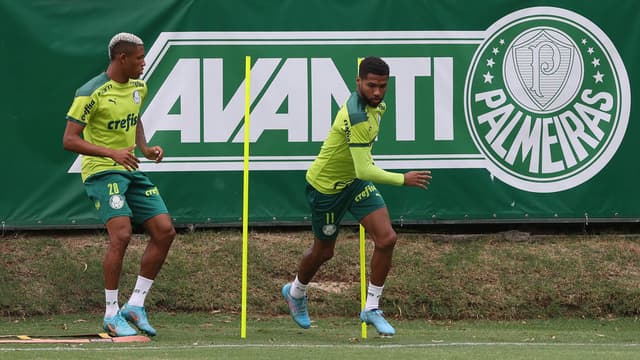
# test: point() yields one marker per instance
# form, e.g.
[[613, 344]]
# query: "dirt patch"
[[330, 286]]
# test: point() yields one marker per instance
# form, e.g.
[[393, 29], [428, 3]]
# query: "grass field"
[[467, 296], [207, 336], [503, 276]]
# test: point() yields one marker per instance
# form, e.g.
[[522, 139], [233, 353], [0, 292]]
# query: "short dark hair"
[[372, 65]]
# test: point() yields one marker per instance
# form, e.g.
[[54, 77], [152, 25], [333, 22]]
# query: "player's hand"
[[154, 153], [126, 158], [417, 178]]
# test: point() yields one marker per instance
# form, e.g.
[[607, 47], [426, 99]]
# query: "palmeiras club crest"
[[547, 99]]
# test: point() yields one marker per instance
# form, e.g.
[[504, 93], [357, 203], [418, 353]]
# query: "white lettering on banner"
[[443, 98], [326, 84], [405, 70], [528, 143], [220, 122], [289, 82], [536, 136], [182, 84], [548, 165]]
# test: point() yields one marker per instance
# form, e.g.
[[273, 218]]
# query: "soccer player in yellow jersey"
[[341, 179], [104, 125]]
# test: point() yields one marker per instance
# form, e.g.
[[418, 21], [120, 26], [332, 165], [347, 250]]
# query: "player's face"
[[134, 63], [372, 88]]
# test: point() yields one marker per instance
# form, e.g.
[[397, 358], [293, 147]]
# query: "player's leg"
[[107, 192], [149, 208], [370, 208], [119, 229], [378, 225], [295, 293], [317, 254], [326, 213], [161, 233]]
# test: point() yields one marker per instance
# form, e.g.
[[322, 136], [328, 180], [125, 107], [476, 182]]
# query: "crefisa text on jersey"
[[131, 120]]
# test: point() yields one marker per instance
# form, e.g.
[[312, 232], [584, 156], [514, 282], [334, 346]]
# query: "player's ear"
[[122, 57]]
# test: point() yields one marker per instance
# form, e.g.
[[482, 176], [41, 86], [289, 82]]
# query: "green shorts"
[[360, 198], [123, 193]]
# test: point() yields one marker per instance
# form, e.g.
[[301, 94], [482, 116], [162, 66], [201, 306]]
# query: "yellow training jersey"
[[355, 128], [109, 112]]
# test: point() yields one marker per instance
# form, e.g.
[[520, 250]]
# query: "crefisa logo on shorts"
[[547, 99]]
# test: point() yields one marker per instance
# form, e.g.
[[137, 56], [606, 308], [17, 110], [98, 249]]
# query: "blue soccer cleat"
[[118, 326], [138, 316], [297, 308], [375, 318]]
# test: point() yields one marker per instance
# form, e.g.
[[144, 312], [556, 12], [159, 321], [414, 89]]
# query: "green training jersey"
[[109, 112], [354, 129]]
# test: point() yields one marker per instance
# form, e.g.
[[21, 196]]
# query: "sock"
[[140, 291], [298, 290], [111, 297], [373, 297]]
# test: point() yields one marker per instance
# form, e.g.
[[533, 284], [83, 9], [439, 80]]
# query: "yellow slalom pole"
[[245, 197], [363, 279], [363, 262]]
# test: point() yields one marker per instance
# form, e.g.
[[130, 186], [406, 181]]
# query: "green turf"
[[206, 336]]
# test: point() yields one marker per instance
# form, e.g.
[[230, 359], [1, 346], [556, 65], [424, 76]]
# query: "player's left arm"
[[155, 152], [366, 170]]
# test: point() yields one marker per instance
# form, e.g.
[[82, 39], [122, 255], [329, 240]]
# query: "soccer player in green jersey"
[[341, 179], [104, 125]]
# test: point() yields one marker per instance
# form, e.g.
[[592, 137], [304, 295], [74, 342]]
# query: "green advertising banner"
[[522, 110]]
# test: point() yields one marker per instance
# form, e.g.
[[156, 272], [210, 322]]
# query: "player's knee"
[[164, 234], [169, 233], [326, 255], [387, 241], [119, 229], [161, 229], [320, 255], [118, 241]]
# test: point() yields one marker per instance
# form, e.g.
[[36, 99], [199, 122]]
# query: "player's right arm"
[[417, 178], [72, 141]]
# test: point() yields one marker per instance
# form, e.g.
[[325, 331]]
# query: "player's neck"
[[115, 75]]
